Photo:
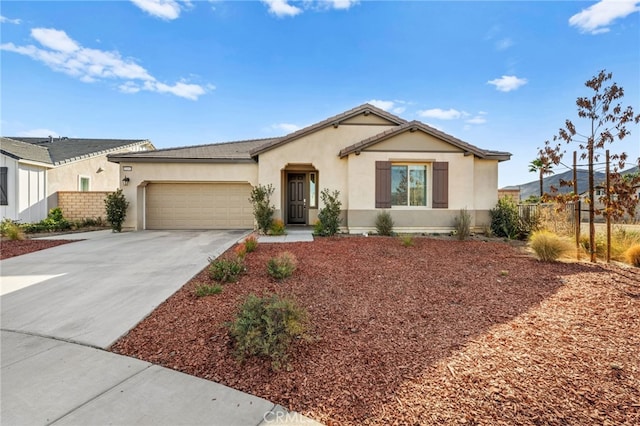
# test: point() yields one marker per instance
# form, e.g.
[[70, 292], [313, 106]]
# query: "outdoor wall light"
[[126, 180]]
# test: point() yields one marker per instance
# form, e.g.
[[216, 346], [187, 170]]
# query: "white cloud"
[[385, 105], [507, 83], [391, 106], [286, 127], [282, 8], [65, 55], [504, 44], [478, 119], [342, 4], [163, 9], [54, 39], [5, 20], [596, 18], [440, 114], [39, 133]]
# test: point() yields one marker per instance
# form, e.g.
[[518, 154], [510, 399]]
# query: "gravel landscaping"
[[442, 332], [11, 248]]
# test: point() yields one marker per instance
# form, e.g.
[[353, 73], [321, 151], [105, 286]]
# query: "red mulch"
[[12, 248], [443, 332]]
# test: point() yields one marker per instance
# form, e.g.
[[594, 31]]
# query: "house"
[[378, 162], [34, 170]]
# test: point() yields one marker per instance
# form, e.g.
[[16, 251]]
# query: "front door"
[[297, 203]]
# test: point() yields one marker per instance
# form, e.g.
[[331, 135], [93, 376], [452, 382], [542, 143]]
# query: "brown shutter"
[[383, 184], [441, 185]]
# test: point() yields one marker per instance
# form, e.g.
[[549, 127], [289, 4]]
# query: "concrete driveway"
[[94, 291], [62, 306]]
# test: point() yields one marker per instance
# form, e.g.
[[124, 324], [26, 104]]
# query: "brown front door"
[[296, 204]]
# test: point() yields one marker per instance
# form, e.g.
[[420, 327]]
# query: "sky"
[[501, 75]]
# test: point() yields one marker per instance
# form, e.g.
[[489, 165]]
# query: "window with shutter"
[[4, 186]]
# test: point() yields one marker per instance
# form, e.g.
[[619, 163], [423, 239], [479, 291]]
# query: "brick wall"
[[77, 205]]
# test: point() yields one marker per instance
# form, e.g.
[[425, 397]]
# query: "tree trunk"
[[592, 215], [541, 183]]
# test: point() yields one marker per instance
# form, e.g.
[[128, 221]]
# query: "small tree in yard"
[[116, 207], [606, 122], [262, 208]]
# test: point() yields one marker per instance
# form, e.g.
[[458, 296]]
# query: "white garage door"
[[198, 206]]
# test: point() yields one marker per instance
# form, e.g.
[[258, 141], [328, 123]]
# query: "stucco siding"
[[143, 173], [319, 149], [485, 189], [414, 221], [415, 142]]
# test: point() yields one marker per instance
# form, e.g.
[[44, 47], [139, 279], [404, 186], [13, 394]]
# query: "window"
[[409, 185], [313, 203], [406, 185], [84, 184], [4, 186]]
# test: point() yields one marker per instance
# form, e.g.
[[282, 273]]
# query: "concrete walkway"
[[293, 235], [79, 298]]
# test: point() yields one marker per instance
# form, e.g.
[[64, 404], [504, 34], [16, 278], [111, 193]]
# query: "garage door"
[[198, 206]]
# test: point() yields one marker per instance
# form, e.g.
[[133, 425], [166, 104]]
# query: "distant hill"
[[533, 187]]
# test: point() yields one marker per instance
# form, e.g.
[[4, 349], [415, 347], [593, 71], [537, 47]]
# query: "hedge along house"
[[378, 162]]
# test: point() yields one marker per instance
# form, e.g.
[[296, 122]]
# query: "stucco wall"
[[321, 150], [142, 173], [82, 205]]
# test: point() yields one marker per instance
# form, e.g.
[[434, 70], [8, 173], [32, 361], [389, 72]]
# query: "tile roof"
[[227, 151], [64, 150], [364, 108], [417, 125], [24, 151]]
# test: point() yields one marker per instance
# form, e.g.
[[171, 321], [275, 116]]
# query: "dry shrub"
[[558, 221], [632, 255], [548, 246]]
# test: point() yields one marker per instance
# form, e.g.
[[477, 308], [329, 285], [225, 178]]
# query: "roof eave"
[[137, 159]]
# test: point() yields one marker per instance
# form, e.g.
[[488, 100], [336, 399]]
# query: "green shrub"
[[329, 216], [277, 227], [462, 224], [407, 240], [282, 266], [548, 246], [263, 210], [116, 207], [12, 230], [266, 327], [505, 220], [203, 290], [632, 255], [55, 221], [384, 223], [251, 244], [226, 270]]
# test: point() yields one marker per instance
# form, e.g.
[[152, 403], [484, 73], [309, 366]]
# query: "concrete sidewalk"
[[80, 298]]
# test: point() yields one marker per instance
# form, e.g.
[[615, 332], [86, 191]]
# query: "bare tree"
[[606, 122]]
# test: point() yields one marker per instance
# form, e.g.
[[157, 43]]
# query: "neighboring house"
[[33, 170], [378, 162]]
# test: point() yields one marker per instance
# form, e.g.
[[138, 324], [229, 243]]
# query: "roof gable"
[[65, 150], [415, 126], [24, 151], [336, 120]]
